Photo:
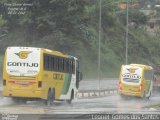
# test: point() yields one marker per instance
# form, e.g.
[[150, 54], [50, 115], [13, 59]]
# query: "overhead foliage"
[[72, 26]]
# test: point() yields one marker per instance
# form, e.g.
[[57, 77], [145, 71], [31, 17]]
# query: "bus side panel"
[[148, 82], [67, 82], [42, 78], [58, 88], [51, 82], [70, 84], [47, 83]]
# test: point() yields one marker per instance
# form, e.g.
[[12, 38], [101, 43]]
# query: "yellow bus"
[[35, 73], [136, 80]]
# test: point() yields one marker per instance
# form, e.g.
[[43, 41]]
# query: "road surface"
[[79, 107], [111, 104]]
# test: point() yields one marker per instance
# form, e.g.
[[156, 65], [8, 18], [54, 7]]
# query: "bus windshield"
[[22, 61], [131, 74]]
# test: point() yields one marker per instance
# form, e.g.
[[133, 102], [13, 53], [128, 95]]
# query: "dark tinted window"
[[58, 64]]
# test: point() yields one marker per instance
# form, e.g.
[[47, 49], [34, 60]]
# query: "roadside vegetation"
[[72, 27]]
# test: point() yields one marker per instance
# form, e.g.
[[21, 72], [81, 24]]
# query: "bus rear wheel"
[[50, 98]]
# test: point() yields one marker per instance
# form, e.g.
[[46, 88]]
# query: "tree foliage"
[[72, 26]]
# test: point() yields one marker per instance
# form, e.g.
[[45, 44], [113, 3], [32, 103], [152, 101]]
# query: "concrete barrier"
[[96, 93]]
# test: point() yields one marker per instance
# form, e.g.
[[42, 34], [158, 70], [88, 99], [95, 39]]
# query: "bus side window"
[[73, 66], [60, 65], [77, 70], [46, 62], [64, 65], [55, 64], [70, 66], [50, 63], [67, 66]]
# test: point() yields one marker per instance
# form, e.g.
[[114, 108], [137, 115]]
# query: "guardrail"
[[96, 93]]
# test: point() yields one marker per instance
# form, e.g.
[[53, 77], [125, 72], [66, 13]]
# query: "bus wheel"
[[50, 98], [71, 98]]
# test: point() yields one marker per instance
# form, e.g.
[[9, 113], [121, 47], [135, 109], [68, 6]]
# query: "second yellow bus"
[[136, 80]]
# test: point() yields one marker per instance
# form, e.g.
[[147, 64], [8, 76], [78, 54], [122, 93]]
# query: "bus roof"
[[53, 52], [57, 53]]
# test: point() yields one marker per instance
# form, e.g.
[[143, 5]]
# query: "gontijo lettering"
[[135, 76], [22, 64]]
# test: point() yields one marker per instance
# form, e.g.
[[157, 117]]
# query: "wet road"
[[108, 104], [95, 105]]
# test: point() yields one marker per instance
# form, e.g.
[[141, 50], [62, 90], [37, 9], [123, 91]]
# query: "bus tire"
[[71, 98], [50, 98]]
